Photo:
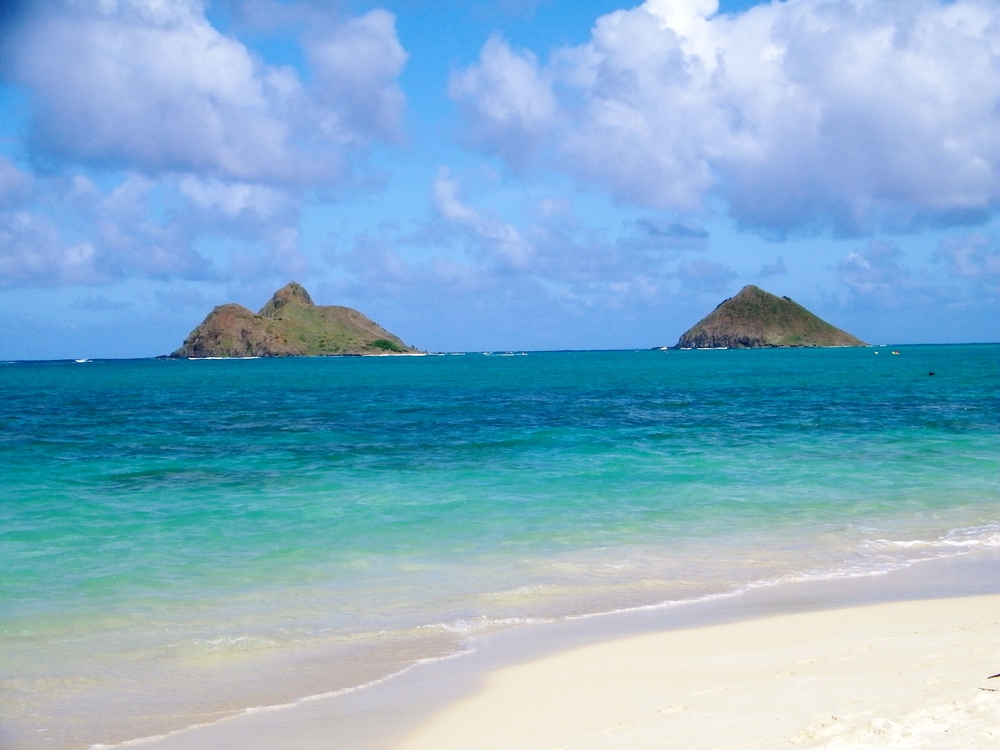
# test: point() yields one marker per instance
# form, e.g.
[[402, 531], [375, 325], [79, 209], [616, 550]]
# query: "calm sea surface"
[[182, 539]]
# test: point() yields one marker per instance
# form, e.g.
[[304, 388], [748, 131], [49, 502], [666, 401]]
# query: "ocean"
[[181, 540]]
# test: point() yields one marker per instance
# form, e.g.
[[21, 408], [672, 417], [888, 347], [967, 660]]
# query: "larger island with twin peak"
[[289, 325]]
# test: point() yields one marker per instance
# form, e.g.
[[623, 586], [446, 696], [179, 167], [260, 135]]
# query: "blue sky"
[[522, 174]]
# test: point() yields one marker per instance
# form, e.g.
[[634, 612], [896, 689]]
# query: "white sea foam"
[[241, 642], [483, 623], [983, 537], [663, 605]]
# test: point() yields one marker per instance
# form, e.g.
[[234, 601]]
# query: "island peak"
[[290, 324], [754, 318], [290, 293]]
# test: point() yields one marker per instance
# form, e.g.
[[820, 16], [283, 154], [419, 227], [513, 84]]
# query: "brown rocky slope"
[[289, 325], [755, 318]]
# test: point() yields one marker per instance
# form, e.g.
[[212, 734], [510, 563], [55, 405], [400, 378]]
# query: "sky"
[[518, 174]]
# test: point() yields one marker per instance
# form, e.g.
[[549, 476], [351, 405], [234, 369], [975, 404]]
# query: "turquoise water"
[[184, 539]]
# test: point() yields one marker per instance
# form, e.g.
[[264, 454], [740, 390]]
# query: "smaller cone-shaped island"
[[289, 325], [755, 318]]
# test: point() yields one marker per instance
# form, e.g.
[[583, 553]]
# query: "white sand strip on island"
[[898, 675]]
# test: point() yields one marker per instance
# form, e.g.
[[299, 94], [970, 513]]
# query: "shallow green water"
[[172, 531]]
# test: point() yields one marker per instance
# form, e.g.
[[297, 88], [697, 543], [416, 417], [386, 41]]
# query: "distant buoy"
[[930, 373]]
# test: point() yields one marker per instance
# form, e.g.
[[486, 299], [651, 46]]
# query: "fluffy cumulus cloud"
[[77, 234], [855, 115], [152, 85], [199, 136], [32, 247], [509, 100], [355, 65], [33, 252]]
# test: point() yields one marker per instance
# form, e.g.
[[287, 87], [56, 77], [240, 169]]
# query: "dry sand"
[[899, 675]]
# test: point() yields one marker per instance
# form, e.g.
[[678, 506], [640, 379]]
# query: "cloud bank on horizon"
[[167, 154]]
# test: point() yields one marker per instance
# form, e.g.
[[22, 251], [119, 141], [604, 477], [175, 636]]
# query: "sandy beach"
[[904, 674], [857, 663]]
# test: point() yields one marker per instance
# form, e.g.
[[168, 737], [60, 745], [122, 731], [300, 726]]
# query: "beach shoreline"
[[949, 603]]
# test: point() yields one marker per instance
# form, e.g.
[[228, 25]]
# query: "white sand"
[[900, 675]]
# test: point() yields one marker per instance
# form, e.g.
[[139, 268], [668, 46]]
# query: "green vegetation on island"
[[289, 325], [755, 318]]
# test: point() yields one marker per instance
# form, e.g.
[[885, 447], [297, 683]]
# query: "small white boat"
[[81, 361]]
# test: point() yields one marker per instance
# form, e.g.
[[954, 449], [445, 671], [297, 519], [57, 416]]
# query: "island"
[[755, 318], [289, 325]]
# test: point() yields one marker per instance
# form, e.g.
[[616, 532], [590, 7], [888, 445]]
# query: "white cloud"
[[151, 85], [877, 270], [130, 242], [497, 239], [883, 285], [971, 257], [32, 252], [144, 228], [15, 185], [553, 252], [78, 235], [236, 204], [851, 113], [211, 141], [355, 64], [508, 100], [566, 259]]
